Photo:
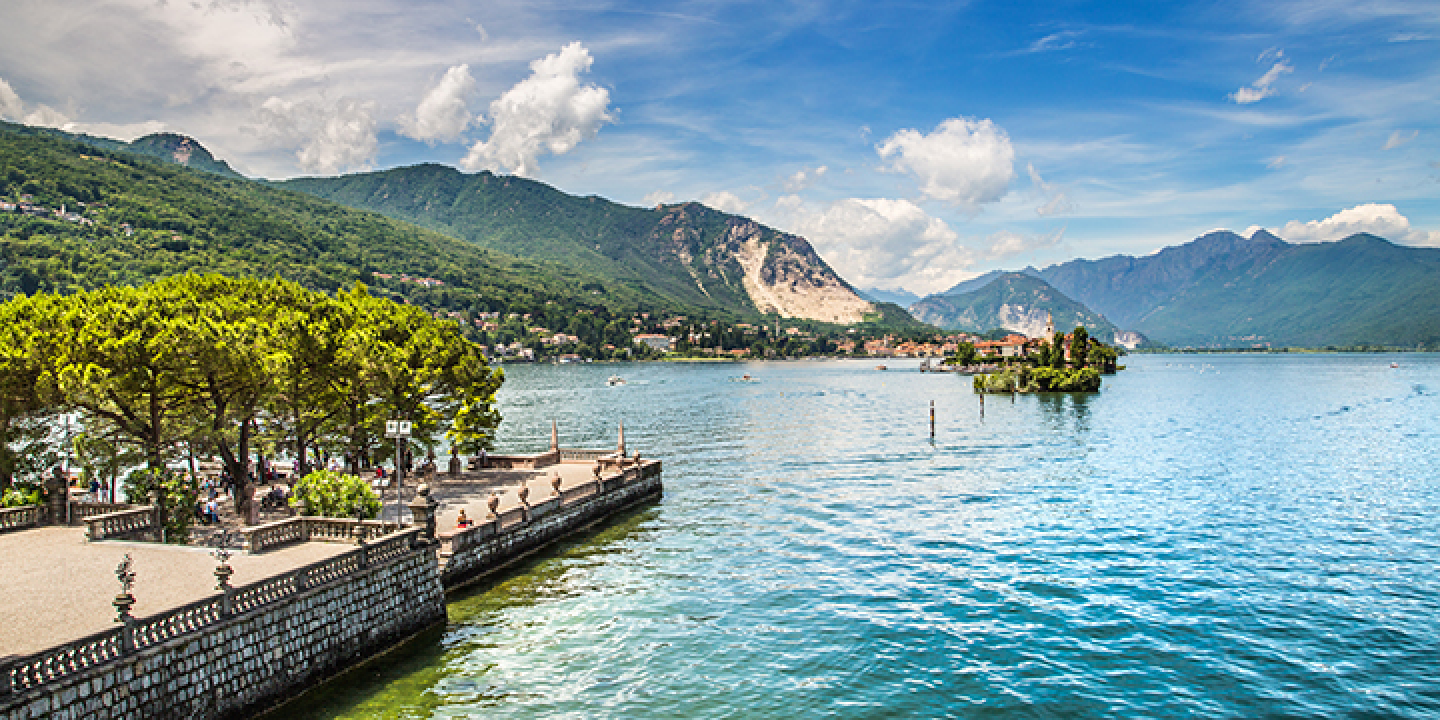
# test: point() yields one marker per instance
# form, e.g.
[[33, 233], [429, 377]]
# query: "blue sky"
[[914, 144]]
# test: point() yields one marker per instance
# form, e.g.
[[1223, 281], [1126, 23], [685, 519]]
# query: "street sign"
[[397, 428]]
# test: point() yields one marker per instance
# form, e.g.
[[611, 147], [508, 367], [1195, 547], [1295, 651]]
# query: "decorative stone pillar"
[[494, 505], [57, 487], [555, 483], [524, 494], [422, 511], [620, 447], [222, 577], [454, 463], [124, 601]]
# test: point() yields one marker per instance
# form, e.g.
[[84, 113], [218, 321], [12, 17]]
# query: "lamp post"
[[400, 430]]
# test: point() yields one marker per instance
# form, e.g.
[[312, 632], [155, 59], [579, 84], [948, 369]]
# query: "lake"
[[1210, 535]]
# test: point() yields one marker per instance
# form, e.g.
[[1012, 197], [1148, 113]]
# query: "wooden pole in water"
[[932, 419], [982, 406]]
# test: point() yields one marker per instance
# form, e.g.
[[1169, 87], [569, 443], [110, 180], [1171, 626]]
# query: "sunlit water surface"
[[1215, 536]]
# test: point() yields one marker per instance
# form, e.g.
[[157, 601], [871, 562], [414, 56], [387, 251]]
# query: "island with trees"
[[1060, 363]]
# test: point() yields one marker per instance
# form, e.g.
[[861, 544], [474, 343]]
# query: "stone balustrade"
[[276, 534], [19, 518], [481, 548], [80, 511], [55, 665], [124, 524]]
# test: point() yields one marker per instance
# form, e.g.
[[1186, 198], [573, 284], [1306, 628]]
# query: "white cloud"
[[804, 178], [881, 242], [1378, 219], [1276, 162], [964, 162], [443, 113], [1265, 86], [1006, 243], [659, 197], [46, 116], [10, 106], [1056, 201], [725, 201], [332, 137], [1399, 138], [550, 111]]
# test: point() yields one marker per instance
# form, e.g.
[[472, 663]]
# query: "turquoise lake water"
[[1209, 536]]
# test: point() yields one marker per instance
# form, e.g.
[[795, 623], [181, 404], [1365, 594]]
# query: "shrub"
[[23, 493], [180, 491], [332, 494]]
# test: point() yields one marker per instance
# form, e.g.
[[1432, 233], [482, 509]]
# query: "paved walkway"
[[56, 587]]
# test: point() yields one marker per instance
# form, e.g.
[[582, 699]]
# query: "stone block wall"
[[250, 662], [489, 548]]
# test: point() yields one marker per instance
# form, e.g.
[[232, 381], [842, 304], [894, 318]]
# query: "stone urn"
[[555, 483], [524, 493], [494, 503]]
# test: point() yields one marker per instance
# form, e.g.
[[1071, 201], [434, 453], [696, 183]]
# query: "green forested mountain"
[[128, 219], [687, 253], [1224, 290], [167, 147], [1015, 302]]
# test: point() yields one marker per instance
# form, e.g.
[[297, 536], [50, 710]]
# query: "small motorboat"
[[615, 380], [1394, 364], [881, 367]]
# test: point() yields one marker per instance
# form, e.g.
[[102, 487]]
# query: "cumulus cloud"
[[332, 137], [1378, 219], [804, 178], [1399, 138], [1265, 86], [10, 106], [1276, 162], [443, 113], [964, 162], [550, 111], [1056, 201], [659, 197], [881, 242], [1006, 243], [725, 201]]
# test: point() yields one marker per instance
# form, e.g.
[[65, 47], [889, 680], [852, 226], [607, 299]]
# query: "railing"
[[121, 524], [575, 455], [269, 536], [23, 673], [522, 462], [19, 518], [80, 511]]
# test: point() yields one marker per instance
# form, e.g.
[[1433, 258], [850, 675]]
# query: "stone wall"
[[488, 547], [251, 661]]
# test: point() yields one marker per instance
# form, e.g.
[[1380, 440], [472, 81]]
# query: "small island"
[[1059, 363]]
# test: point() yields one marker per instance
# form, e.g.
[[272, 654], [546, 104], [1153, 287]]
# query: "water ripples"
[[1245, 536]]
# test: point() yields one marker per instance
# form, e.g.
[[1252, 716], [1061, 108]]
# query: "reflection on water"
[[1235, 537]]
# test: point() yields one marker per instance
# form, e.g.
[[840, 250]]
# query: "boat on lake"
[[615, 380]]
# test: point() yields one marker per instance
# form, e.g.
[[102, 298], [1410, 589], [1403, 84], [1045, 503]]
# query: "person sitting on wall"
[[462, 522]]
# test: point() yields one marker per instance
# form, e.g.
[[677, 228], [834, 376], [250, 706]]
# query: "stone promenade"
[[57, 587]]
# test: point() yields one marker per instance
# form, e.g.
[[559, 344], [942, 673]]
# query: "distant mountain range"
[[494, 232], [686, 253], [1012, 301], [898, 296], [1224, 290]]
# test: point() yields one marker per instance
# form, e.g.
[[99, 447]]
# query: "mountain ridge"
[[686, 252], [1016, 302]]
